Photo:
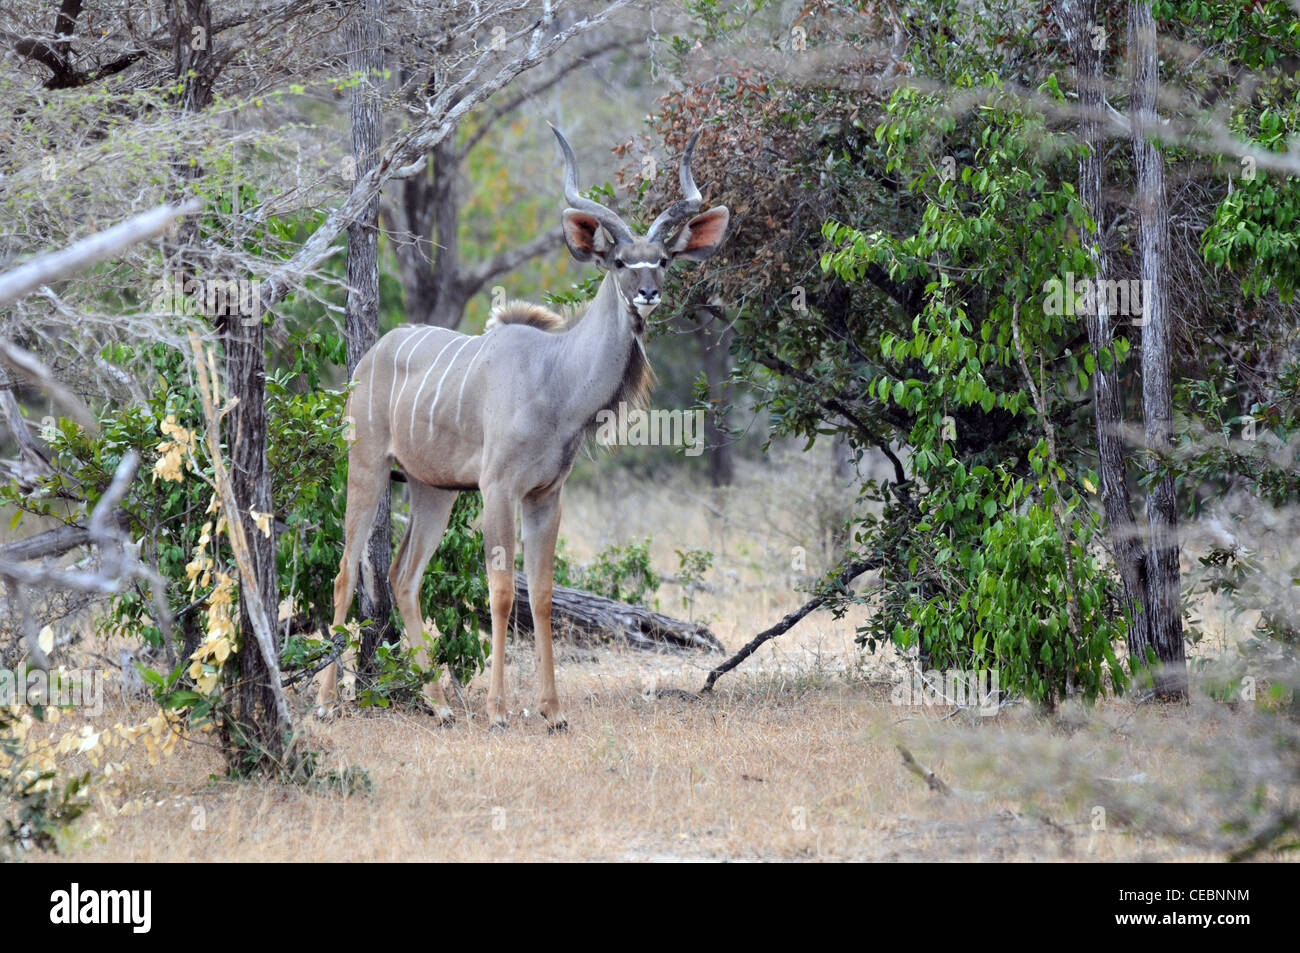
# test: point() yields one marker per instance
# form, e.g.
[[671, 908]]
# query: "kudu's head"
[[638, 264]]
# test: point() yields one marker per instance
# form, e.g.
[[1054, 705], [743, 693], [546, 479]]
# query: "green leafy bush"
[[989, 550], [454, 592], [623, 573], [307, 453]]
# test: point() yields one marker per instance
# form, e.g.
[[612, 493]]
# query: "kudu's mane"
[[525, 312], [637, 379]]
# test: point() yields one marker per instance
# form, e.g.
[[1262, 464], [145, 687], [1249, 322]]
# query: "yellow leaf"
[[46, 640]]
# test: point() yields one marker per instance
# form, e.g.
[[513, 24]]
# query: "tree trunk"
[[258, 724], [413, 231], [1162, 603], [257, 717], [1078, 19], [449, 303], [1144, 574], [588, 619], [365, 56], [715, 344], [414, 247], [192, 49]]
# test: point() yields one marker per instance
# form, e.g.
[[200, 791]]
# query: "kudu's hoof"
[[443, 715], [557, 726]]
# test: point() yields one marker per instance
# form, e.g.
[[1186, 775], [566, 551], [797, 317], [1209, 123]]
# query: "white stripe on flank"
[[370, 399], [451, 361], [461, 396], [370, 389], [406, 372], [424, 380], [393, 394]]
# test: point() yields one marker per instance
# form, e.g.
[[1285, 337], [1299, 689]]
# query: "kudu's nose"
[[649, 294]]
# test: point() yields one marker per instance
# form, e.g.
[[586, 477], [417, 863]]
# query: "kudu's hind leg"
[[430, 510], [499, 550], [367, 478], [541, 524]]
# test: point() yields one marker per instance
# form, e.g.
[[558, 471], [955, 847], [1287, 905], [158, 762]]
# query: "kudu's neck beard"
[[606, 355]]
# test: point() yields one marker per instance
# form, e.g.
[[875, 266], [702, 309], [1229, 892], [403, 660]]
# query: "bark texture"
[[366, 56], [588, 619], [1142, 559], [1163, 604]]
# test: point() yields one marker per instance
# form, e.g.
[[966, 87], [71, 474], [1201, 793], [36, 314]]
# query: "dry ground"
[[794, 758], [778, 767]]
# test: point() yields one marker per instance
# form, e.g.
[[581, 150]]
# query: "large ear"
[[702, 235], [584, 236]]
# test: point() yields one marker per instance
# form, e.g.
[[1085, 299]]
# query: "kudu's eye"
[[618, 264], [663, 262]]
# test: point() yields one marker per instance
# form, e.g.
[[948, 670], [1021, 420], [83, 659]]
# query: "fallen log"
[[588, 619], [52, 542]]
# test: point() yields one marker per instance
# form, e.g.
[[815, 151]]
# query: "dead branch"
[[118, 565], [26, 363], [31, 451], [41, 270], [444, 113], [78, 256], [934, 782], [53, 542], [849, 573]]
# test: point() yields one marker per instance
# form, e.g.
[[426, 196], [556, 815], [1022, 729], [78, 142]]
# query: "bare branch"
[[25, 363], [510, 259], [27, 445], [53, 542], [441, 122], [514, 102], [101, 246]]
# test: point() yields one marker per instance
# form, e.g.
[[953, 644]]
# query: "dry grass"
[[779, 767], [794, 758]]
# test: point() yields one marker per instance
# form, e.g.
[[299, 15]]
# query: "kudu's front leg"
[[499, 550], [541, 526]]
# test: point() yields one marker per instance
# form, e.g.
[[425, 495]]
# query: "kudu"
[[505, 412]]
